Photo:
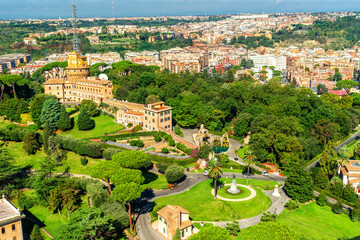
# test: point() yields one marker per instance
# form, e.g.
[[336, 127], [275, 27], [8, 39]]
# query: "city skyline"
[[139, 8]]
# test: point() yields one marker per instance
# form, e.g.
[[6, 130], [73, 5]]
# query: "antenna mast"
[[113, 9], [76, 40]]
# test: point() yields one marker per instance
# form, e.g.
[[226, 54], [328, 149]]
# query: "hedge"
[[331, 195], [79, 146], [125, 135], [14, 134], [181, 162]]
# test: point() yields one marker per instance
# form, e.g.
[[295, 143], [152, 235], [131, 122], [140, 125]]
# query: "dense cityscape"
[[210, 127]]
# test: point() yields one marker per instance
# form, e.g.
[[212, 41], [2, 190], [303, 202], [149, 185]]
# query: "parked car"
[[265, 173], [206, 173]]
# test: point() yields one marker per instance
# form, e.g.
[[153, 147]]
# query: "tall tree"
[[36, 233], [299, 185], [126, 193], [84, 121], [91, 107], [46, 134], [347, 85], [132, 159], [51, 113], [345, 154], [248, 160], [64, 122], [36, 106], [105, 171], [215, 172], [31, 142], [7, 167], [12, 80]]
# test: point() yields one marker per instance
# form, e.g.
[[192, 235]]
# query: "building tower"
[[76, 40]]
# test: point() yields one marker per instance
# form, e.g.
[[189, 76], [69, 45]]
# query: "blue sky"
[[102, 8]]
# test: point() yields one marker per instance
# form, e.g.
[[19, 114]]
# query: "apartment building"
[[157, 116]]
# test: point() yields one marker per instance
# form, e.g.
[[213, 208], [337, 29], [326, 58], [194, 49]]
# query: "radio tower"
[[76, 40], [113, 9]]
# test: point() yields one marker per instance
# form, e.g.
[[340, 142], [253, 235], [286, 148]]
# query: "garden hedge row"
[[79, 146], [136, 134], [329, 194], [181, 162]]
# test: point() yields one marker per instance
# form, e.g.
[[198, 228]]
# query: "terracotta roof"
[[354, 180], [349, 167], [54, 81], [133, 112], [93, 81], [169, 210], [185, 224]]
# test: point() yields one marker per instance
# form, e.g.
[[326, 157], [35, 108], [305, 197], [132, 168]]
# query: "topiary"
[[84, 161]]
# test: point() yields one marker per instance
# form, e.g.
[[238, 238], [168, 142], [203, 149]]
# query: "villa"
[[171, 218], [350, 173]]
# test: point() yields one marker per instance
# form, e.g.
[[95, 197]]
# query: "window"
[[153, 114], [165, 222], [161, 120], [153, 120], [164, 230], [57, 87], [13, 227], [145, 118], [182, 233], [3, 230], [161, 114]]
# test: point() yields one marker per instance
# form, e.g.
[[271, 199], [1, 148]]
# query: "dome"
[[103, 77]]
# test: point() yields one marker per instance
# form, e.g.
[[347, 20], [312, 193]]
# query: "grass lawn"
[[263, 184], [103, 124], [243, 150], [155, 181], [34, 161], [4, 123], [203, 207], [224, 193], [315, 222]]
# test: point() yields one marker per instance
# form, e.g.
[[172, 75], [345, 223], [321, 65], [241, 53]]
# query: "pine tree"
[[51, 113], [31, 143], [46, 135], [84, 121], [64, 122], [177, 235], [36, 233]]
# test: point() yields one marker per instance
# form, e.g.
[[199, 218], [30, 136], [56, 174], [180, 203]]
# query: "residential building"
[[77, 85], [29, 41], [126, 116], [10, 221], [350, 174], [171, 218], [157, 116]]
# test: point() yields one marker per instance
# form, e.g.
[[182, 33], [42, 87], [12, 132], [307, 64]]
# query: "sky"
[[103, 8]]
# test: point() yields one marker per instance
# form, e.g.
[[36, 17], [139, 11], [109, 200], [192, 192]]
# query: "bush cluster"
[[13, 134], [181, 162], [79, 146], [183, 148]]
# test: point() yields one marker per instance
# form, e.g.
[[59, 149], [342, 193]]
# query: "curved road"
[[142, 210]]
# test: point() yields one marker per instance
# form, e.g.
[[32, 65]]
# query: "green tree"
[[212, 233], [177, 235], [204, 151], [91, 107], [248, 160], [125, 175], [346, 102], [36, 233], [324, 130], [46, 134], [7, 167], [174, 173], [269, 230], [31, 142], [242, 125], [50, 113], [355, 213], [132, 159], [12, 80], [84, 121], [88, 223], [345, 153], [321, 199], [126, 193], [64, 122], [152, 99], [36, 106], [117, 211], [321, 88], [337, 208], [105, 171], [299, 185], [48, 166], [215, 172], [347, 85], [233, 227]]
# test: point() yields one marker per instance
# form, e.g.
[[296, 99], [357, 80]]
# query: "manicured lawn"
[[103, 124], [265, 185], [203, 207], [34, 161], [155, 181], [244, 192], [243, 150], [315, 222]]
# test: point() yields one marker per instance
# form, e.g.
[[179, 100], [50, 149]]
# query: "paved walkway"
[[252, 194]]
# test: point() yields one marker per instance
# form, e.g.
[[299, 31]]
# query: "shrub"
[[137, 128], [129, 125], [233, 227], [84, 161], [183, 148], [133, 143], [33, 127], [174, 173], [292, 205], [157, 138], [224, 158], [107, 153], [140, 144], [321, 199], [26, 202], [337, 208], [162, 167], [355, 213], [171, 142], [268, 217], [165, 150]]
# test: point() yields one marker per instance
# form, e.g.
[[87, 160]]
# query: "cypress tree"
[[36, 233], [177, 235], [46, 135], [64, 122], [50, 112], [84, 121]]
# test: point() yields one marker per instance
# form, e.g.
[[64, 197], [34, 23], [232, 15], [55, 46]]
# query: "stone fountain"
[[233, 188]]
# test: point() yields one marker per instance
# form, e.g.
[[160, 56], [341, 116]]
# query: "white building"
[[279, 62], [350, 174]]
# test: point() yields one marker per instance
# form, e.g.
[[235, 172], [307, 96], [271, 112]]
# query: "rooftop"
[[8, 211]]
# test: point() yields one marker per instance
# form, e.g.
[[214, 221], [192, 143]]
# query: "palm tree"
[[344, 157], [215, 172], [248, 159]]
